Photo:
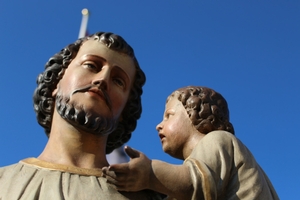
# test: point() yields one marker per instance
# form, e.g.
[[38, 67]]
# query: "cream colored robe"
[[35, 179], [222, 167]]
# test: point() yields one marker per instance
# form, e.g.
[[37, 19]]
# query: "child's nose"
[[159, 127]]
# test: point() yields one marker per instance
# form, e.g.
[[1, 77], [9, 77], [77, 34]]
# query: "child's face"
[[176, 129]]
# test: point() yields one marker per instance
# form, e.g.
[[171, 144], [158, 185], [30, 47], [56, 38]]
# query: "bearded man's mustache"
[[97, 89]]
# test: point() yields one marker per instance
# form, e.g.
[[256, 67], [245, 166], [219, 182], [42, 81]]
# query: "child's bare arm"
[[142, 173]]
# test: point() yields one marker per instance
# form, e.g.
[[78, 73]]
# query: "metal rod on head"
[[84, 22]]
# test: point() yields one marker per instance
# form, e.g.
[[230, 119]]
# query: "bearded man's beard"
[[84, 120]]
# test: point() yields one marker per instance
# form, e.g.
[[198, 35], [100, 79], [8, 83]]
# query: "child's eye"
[[168, 115]]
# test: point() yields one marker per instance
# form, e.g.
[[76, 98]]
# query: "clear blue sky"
[[249, 51]]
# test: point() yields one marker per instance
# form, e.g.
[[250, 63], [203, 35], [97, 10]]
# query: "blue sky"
[[247, 51]]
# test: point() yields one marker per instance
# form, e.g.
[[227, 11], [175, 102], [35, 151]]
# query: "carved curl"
[[54, 71], [207, 109]]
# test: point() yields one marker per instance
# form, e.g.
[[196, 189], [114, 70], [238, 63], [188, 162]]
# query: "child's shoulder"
[[221, 139], [220, 135]]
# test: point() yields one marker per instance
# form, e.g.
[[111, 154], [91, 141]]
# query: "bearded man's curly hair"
[[55, 69], [207, 109]]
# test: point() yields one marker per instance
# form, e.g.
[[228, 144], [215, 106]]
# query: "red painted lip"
[[161, 136], [102, 95], [96, 91]]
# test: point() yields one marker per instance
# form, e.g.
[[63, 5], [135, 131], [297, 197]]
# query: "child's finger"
[[111, 180], [119, 168], [104, 170], [132, 153], [107, 173]]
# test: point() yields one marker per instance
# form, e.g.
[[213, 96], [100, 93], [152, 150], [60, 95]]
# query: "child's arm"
[[142, 173]]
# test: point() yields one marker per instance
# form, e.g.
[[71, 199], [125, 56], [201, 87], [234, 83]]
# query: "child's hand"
[[132, 176]]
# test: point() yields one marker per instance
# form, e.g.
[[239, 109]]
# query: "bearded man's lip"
[[102, 95], [98, 92]]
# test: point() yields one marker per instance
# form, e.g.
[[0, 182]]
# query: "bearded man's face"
[[95, 88]]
